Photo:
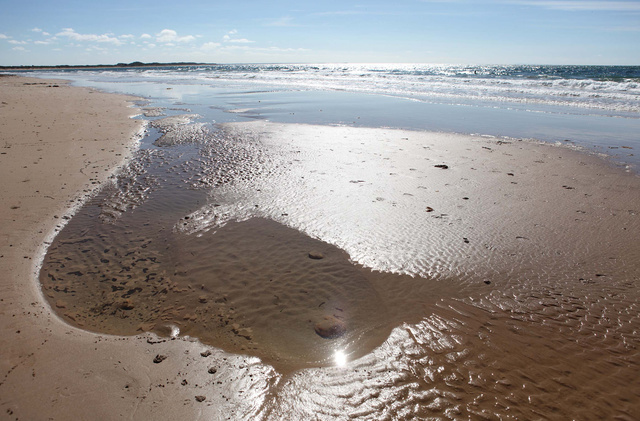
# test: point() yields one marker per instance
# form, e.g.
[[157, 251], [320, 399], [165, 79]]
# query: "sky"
[[47, 32]]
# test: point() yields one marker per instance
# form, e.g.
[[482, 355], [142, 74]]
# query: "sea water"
[[596, 107]]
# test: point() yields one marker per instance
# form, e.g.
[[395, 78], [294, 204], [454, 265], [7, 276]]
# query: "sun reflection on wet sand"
[[340, 358]]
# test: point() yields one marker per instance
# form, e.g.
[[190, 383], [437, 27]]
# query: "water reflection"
[[340, 358]]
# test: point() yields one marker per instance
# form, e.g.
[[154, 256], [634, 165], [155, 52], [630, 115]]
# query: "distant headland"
[[135, 64]]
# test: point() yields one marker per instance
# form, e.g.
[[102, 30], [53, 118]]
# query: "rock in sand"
[[330, 327]]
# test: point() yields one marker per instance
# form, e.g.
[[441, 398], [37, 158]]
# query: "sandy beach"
[[526, 303], [58, 144]]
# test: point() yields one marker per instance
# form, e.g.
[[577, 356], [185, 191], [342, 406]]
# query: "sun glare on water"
[[340, 358]]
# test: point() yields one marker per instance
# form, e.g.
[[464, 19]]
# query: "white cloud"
[[169, 35], [13, 41], [583, 5], [3, 36], [127, 36], [145, 36], [227, 38], [19, 49], [36, 30], [71, 34], [210, 45], [43, 42]]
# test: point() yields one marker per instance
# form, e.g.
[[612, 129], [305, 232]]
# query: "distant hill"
[[103, 66]]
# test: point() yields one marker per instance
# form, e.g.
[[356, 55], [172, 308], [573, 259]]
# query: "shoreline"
[[48, 367], [146, 376]]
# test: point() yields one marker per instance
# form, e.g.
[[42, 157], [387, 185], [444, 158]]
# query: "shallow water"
[[501, 287], [596, 107]]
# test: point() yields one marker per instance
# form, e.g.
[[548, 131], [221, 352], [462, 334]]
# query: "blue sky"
[[249, 31]]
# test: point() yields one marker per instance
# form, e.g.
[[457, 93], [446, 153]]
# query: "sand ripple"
[[503, 286]]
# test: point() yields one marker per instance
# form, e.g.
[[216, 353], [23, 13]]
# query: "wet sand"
[[526, 303]]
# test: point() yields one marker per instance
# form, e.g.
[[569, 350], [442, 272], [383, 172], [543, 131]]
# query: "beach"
[[457, 276], [58, 145]]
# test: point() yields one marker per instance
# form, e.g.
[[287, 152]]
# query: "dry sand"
[[555, 335]]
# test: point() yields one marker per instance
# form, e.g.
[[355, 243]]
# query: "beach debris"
[[466, 240], [200, 398], [126, 305], [159, 358], [442, 166], [487, 282], [330, 327], [316, 255], [429, 209]]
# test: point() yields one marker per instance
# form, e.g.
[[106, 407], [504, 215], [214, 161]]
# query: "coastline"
[[48, 366]]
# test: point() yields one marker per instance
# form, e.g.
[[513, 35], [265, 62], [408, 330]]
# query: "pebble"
[[315, 255], [330, 327], [159, 358]]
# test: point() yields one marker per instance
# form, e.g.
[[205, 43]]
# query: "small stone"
[[184, 382], [61, 304], [205, 353], [330, 327], [159, 358], [316, 255], [126, 305], [487, 282], [441, 166], [200, 398], [212, 370], [203, 299]]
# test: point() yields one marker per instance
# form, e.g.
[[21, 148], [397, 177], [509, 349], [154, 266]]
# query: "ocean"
[[381, 241], [596, 107]]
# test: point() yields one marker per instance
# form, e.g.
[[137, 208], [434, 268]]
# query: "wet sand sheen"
[[250, 288], [533, 262]]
